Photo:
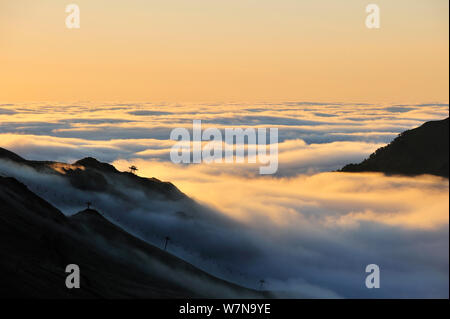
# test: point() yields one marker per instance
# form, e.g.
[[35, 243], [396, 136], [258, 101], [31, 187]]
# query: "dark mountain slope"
[[4, 153], [423, 150], [117, 194], [88, 173], [37, 242], [91, 175]]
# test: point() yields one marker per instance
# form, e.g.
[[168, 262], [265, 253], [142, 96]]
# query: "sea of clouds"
[[307, 231]]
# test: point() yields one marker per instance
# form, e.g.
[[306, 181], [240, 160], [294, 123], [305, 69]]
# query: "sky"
[[235, 50]]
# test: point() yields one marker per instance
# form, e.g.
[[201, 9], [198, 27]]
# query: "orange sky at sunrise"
[[202, 50]]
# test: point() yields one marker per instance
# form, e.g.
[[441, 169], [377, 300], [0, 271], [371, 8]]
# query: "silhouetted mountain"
[[423, 150], [37, 242], [91, 175]]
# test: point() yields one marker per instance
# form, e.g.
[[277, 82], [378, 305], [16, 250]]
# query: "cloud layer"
[[307, 231]]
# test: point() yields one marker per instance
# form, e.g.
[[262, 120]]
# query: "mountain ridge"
[[422, 150], [37, 241], [89, 174]]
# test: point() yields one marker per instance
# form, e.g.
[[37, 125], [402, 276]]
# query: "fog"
[[307, 231], [308, 236]]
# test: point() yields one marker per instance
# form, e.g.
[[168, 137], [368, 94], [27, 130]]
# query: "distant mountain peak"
[[422, 150], [89, 174], [94, 163], [89, 212]]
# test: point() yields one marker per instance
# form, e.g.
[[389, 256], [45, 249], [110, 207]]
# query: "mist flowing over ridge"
[[38, 242], [288, 233]]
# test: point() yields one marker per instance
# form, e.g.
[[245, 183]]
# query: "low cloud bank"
[[306, 232], [308, 236]]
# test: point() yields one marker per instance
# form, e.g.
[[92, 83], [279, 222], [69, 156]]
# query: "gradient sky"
[[203, 50]]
